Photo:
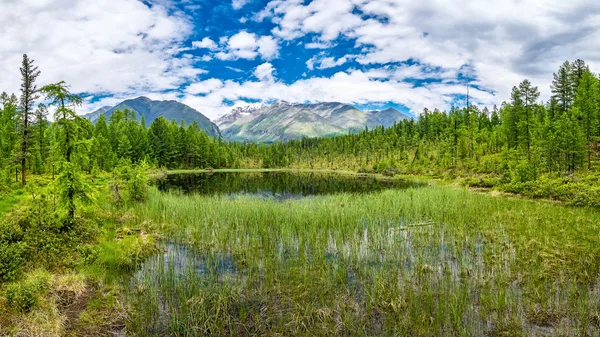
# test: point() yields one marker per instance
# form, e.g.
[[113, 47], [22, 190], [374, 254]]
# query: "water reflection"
[[277, 185]]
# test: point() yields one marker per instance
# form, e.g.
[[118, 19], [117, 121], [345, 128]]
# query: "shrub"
[[25, 295], [138, 184], [12, 251]]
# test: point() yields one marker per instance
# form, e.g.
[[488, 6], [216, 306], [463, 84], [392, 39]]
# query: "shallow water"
[[275, 185]]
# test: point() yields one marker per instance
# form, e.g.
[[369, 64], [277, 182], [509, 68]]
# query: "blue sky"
[[215, 55]]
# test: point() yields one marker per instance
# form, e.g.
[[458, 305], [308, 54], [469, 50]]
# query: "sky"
[[218, 54]]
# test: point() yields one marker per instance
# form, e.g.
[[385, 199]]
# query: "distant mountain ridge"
[[151, 110], [283, 121]]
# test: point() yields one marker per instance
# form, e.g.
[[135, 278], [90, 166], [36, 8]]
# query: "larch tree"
[[528, 96], [70, 184], [59, 95], [29, 93], [587, 104], [562, 86], [578, 69], [41, 120]]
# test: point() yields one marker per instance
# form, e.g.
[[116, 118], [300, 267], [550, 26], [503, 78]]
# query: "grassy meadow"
[[422, 261]]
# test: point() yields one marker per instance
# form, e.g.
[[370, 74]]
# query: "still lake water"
[[168, 284], [276, 185]]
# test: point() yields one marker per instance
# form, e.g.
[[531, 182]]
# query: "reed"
[[422, 261]]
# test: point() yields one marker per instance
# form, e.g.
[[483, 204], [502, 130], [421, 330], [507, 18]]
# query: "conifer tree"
[[64, 117], [29, 93], [41, 120], [562, 86], [586, 103]]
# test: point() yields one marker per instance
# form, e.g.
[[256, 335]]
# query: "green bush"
[[25, 295], [481, 181], [13, 251], [138, 183], [36, 234]]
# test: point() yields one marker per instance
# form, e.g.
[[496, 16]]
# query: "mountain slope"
[[151, 110], [384, 117], [284, 121]]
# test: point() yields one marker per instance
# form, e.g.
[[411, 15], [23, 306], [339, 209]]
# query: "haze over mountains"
[[264, 122]]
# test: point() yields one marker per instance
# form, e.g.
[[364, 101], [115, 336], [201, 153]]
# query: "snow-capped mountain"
[[283, 120], [238, 113]]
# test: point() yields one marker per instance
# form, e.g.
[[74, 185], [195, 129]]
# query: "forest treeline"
[[518, 142], [524, 137], [29, 142]]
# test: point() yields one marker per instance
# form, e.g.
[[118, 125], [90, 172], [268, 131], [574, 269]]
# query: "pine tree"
[[29, 93]]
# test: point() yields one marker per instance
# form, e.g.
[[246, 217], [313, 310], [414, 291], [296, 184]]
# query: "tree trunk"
[[23, 172]]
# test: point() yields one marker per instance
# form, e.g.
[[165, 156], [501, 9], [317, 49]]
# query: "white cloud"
[[95, 46], [206, 43], [264, 72], [318, 45], [320, 61], [204, 86], [237, 4], [503, 41], [244, 45], [350, 87], [267, 47]]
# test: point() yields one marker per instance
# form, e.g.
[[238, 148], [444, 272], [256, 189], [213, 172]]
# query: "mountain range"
[[263, 122], [283, 121], [151, 110]]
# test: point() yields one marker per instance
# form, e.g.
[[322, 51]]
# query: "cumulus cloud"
[[245, 45], [264, 72], [95, 46], [501, 41], [206, 43], [354, 86]]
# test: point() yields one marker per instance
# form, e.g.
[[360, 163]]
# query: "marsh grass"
[[431, 261]]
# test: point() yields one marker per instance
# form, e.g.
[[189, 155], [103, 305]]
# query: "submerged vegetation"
[[87, 247]]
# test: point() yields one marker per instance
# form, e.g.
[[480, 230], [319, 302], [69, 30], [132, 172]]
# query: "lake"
[[279, 185]]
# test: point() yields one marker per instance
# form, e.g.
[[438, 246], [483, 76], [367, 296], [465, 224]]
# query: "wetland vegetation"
[[89, 247], [417, 261]]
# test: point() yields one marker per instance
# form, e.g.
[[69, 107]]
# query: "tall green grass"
[[8, 201], [431, 261]]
